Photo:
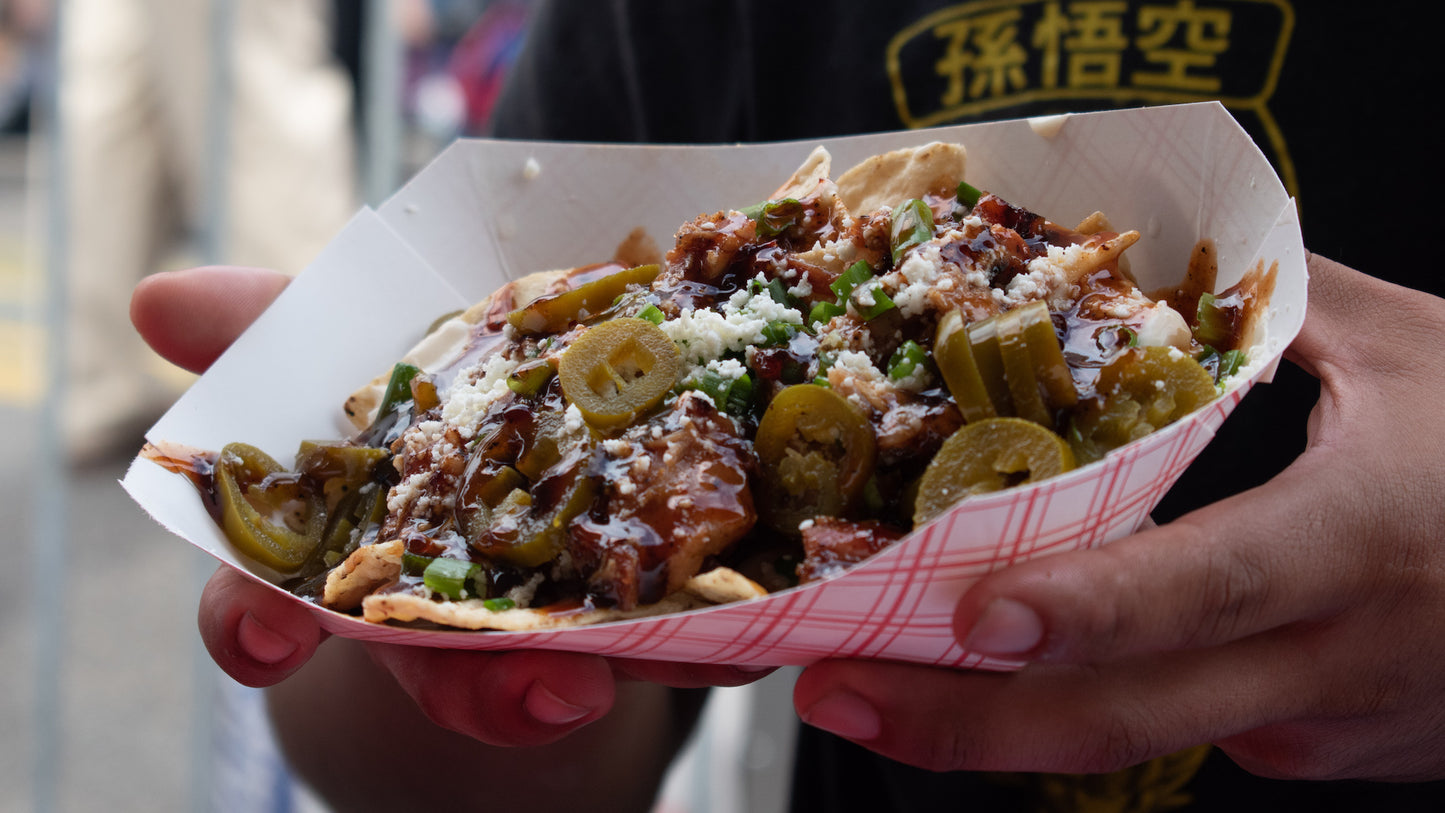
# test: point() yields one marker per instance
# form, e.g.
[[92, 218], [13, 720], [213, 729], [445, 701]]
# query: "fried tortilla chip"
[[367, 568], [718, 586], [449, 339], [893, 177]]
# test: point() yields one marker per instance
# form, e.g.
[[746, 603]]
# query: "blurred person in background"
[[22, 23], [139, 102]]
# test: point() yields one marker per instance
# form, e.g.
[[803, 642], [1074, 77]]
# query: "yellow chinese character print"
[[983, 56], [1049, 33], [1184, 42], [1089, 35], [1097, 45]]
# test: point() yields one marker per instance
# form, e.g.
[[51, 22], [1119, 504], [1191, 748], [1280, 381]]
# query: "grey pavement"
[[99, 658]]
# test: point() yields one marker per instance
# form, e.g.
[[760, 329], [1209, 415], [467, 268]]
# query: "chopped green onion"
[[968, 195], [905, 360], [824, 312], [497, 605], [775, 289], [450, 576], [1111, 338], [414, 564], [857, 274], [1229, 364], [652, 314], [825, 362], [912, 225], [775, 333], [731, 395], [881, 303], [775, 216]]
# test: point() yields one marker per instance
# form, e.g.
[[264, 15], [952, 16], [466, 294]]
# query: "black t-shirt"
[[1331, 91]]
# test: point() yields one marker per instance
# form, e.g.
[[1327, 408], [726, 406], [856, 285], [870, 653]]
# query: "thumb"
[[190, 317], [255, 635], [1241, 566]]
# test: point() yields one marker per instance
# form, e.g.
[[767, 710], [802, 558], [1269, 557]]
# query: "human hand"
[[260, 638], [1296, 625]]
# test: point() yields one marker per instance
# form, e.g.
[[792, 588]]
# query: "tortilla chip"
[[1081, 260], [893, 177], [723, 585], [718, 586], [447, 341], [366, 569], [813, 171]]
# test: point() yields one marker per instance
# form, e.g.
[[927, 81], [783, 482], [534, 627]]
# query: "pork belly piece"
[[675, 492], [832, 545]]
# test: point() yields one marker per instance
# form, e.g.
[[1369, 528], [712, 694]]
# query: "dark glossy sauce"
[[199, 467]]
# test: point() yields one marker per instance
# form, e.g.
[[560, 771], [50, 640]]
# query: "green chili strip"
[[1211, 324], [398, 389], [530, 377]]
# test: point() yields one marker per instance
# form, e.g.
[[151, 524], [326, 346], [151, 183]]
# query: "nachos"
[[793, 387]]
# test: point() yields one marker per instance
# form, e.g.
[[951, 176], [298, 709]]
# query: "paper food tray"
[[488, 211]]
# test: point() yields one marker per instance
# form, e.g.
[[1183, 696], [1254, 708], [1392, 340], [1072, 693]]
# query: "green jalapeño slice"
[[267, 512], [817, 453], [989, 455], [618, 370]]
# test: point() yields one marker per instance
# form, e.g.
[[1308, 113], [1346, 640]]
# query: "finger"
[[1233, 569], [1356, 321], [255, 636], [687, 675], [190, 317], [509, 699], [1054, 718]]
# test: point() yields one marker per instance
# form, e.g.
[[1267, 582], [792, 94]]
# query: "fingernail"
[[547, 707], [1007, 627], [261, 642], [847, 715]]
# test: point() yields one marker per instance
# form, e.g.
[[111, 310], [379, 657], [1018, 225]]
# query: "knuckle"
[[1121, 741], [1235, 587], [950, 749]]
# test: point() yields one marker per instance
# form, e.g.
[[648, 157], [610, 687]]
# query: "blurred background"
[[145, 135]]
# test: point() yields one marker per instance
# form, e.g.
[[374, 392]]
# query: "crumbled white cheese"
[[572, 420], [524, 593], [857, 364], [914, 278], [702, 336], [468, 400]]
